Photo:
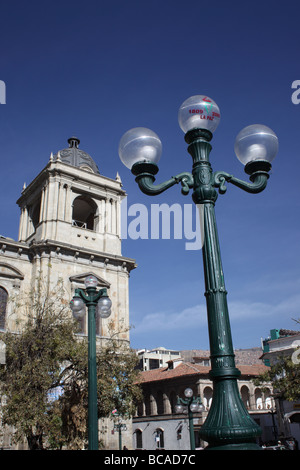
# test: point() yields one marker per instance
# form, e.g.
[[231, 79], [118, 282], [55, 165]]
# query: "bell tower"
[[69, 227], [70, 201]]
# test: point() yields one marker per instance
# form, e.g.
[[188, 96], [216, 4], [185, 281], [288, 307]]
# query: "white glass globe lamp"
[[78, 307], [256, 142], [104, 307], [139, 145], [199, 112], [188, 393], [179, 408], [90, 281], [194, 407]]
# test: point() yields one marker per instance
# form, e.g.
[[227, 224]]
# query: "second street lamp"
[[98, 303], [228, 424], [192, 405], [119, 426]]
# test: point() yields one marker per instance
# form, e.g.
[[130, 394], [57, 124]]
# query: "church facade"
[[69, 228]]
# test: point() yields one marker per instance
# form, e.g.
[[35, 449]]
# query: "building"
[[153, 358], [69, 227], [156, 424], [283, 342], [248, 356]]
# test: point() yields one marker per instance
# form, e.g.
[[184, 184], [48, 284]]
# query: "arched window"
[[3, 305], [207, 397], [245, 396], [159, 438], [84, 213], [258, 399], [139, 439], [35, 213], [268, 399]]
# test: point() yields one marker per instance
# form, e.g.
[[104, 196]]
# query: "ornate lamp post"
[[228, 424], [120, 427], [98, 303], [192, 405]]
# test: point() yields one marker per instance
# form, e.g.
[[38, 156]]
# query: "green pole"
[[92, 374], [228, 424], [120, 437], [91, 298], [191, 427]]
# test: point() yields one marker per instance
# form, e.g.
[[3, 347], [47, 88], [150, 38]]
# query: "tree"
[[44, 381], [285, 377], [117, 389], [284, 373]]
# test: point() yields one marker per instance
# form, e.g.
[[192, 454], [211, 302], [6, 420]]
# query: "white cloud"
[[185, 319], [195, 316]]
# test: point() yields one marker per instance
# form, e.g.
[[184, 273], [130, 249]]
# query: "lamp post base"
[[228, 425]]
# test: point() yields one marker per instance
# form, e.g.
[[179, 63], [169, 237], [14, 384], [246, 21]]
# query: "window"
[[82, 324], [159, 438], [268, 399], [139, 439], [245, 396], [258, 399], [35, 213], [3, 305], [84, 213], [207, 397]]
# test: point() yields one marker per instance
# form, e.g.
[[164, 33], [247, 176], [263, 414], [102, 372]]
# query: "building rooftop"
[[187, 369], [76, 157]]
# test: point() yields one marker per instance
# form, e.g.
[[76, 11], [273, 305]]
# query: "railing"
[[78, 223]]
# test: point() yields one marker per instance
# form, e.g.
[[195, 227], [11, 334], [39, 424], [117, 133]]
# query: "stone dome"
[[76, 157]]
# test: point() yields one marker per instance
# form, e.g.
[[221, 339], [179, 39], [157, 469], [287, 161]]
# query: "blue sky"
[[95, 69]]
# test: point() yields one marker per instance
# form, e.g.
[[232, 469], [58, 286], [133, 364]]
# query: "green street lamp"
[[98, 303], [120, 427], [228, 424], [190, 405]]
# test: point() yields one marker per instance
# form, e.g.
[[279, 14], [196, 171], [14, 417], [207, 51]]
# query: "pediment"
[[9, 271], [81, 277]]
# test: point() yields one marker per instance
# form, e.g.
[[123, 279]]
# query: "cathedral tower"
[[69, 227]]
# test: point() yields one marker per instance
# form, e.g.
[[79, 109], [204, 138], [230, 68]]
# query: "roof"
[[188, 369], [76, 157]]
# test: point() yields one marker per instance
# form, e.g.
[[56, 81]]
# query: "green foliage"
[[285, 377], [117, 389], [46, 356]]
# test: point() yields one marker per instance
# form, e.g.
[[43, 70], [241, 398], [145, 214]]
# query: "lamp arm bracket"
[[87, 298], [147, 186], [258, 182], [182, 401], [81, 294], [187, 182]]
